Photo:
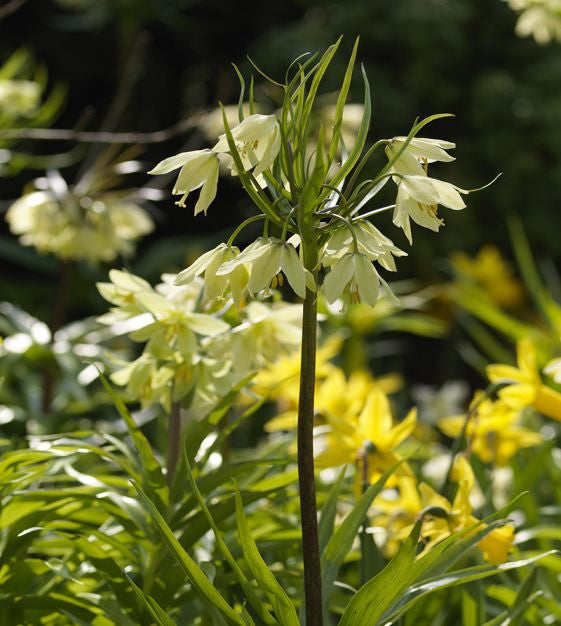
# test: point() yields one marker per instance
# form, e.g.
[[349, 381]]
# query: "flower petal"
[[292, 266]]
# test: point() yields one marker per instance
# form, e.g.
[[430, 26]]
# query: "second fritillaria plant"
[[309, 187]]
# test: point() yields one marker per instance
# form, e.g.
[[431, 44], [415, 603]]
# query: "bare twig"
[[86, 136], [10, 7]]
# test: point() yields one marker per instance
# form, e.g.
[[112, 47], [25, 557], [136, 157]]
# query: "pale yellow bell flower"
[[77, 228], [216, 285], [267, 260], [539, 18], [354, 272], [199, 170], [524, 384], [257, 140], [370, 242], [418, 197], [418, 152]]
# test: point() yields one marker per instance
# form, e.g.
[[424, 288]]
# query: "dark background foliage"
[[421, 56]]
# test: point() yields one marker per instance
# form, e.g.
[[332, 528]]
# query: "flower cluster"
[[396, 511], [76, 226], [188, 351], [539, 18], [302, 169]]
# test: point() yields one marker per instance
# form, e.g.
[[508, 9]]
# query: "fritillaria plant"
[[312, 191]]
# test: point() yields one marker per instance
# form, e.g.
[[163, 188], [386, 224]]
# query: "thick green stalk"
[[306, 477]]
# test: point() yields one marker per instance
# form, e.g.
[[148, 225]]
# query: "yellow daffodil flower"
[[495, 546], [368, 440], [398, 514], [493, 431], [525, 387]]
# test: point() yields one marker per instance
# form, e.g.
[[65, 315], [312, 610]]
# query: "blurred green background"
[[421, 57]]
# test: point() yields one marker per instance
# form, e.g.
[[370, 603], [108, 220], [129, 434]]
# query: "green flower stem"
[[306, 475], [247, 222], [174, 435]]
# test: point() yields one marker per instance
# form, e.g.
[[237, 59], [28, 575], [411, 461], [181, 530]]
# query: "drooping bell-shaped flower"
[[215, 285], [418, 198], [257, 140], [356, 272], [199, 169], [268, 259]]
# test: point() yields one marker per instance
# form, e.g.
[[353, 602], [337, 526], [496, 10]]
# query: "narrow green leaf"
[[342, 539], [282, 604], [191, 569], [340, 107], [329, 510], [524, 598], [153, 477], [360, 140], [373, 598], [250, 594], [460, 577], [147, 601]]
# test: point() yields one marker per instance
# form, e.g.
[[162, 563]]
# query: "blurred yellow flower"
[[493, 431], [398, 514], [279, 381], [369, 439], [524, 383], [489, 270]]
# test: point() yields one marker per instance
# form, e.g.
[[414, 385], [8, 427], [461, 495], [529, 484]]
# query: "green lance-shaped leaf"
[[329, 510], [358, 145], [282, 605], [463, 576], [473, 605], [524, 599], [160, 617], [250, 594], [191, 569], [340, 107], [153, 477], [318, 73], [342, 539], [532, 279], [368, 604]]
